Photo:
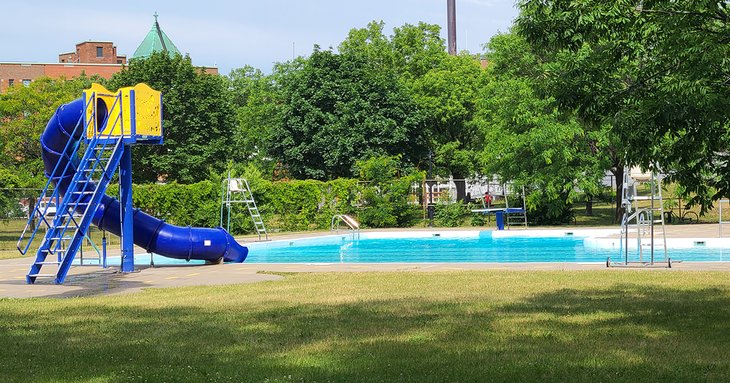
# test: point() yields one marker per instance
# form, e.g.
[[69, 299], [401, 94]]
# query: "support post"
[[127, 211], [451, 25]]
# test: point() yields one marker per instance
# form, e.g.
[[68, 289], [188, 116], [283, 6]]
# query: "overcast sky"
[[228, 33]]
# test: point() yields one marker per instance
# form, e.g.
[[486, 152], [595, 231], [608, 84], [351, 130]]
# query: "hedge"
[[295, 205]]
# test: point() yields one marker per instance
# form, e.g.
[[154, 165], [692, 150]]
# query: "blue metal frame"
[[103, 155], [83, 194]]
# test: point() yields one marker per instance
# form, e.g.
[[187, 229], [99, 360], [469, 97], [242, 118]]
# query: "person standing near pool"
[[487, 199]]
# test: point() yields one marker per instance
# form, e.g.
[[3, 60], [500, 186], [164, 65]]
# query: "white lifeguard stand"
[[237, 191], [643, 220]]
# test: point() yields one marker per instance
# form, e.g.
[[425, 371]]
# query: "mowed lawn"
[[602, 326]]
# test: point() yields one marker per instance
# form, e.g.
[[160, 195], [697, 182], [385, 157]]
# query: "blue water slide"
[[150, 233]]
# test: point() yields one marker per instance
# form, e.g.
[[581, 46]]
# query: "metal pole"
[[451, 25], [127, 212], [429, 185], [103, 249], [651, 214], [720, 221]]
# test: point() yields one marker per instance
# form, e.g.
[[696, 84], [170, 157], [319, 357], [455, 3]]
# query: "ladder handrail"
[[349, 221], [244, 189], [77, 200], [643, 221], [75, 144], [720, 222], [81, 174]]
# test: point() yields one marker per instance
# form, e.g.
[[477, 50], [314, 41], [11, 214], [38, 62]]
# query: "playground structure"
[[237, 191], [643, 220], [83, 144]]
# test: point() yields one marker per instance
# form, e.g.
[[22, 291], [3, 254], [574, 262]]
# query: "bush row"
[[296, 205]]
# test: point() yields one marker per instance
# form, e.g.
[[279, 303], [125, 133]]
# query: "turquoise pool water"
[[469, 247], [465, 246]]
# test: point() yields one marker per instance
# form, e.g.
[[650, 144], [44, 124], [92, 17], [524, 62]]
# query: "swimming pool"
[[577, 246], [475, 246]]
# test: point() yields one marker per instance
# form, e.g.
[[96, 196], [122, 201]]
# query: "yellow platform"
[[131, 112]]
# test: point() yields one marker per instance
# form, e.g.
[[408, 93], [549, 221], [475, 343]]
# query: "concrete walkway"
[[93, 280]]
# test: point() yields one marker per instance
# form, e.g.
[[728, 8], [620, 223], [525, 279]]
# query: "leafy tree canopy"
[[528, 140], [198, 120], [443, 87], [256, 101], [655, 71], [340, 108], [24, 114]]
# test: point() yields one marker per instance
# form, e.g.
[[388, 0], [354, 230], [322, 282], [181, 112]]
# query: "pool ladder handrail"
[[349, 221]]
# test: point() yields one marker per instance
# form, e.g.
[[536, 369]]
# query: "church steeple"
[[155, 41]]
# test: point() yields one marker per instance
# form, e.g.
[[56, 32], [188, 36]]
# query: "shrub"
[[450, 215]]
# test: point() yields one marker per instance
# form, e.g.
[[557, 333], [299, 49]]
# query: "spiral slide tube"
[[150, 233]]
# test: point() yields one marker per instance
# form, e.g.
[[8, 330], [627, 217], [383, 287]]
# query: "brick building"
[[93, 52], [91, 58], [16, 73]]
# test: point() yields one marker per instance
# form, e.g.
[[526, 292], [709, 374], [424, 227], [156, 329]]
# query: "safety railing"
[[351, 223]]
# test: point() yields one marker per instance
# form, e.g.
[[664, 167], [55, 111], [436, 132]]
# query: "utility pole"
[[451, 25]]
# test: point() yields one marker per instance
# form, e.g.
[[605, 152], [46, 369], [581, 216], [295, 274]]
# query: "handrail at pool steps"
[[349, 221], [720, 221]]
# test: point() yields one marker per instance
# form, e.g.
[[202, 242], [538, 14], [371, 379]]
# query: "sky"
[[229, 34]]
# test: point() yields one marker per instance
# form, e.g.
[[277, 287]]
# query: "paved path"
[[92, 280]]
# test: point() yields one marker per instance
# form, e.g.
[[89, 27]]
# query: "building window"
[[26, 82], [11, 82], [99, 51], [119, 61]]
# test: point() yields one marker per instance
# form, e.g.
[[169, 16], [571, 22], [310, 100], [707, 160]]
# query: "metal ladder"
[[50, 196], [514, 216], [74, 214], [644, 222], [237, 190], [349, 221]]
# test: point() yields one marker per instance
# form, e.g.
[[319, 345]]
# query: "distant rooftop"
[[155, 41]]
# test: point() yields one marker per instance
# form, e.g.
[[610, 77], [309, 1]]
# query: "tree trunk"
[[31, 210], [589, 206]]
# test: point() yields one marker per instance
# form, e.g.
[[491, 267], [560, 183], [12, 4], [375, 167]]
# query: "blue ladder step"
[[41, 275], [52, 251], [47, 263]]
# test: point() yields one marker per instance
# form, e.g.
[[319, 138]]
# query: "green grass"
[[616, 325], [11, 229]]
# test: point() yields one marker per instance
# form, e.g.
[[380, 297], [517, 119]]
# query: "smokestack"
[[451, 15]]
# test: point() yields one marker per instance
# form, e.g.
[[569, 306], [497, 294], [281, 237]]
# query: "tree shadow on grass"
[[624, 332]]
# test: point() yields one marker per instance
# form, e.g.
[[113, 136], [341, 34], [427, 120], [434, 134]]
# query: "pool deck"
[[93, 280]]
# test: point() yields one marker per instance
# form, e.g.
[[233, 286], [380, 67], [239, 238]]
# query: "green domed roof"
[[155, 41]]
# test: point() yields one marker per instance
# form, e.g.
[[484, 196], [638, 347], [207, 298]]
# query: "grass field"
[[11, 229], [617, 325]]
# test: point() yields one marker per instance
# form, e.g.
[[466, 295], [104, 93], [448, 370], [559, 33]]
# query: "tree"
[[198, 119], [654, 71], [528, 140], [24, 113], [443, 87], [340, 108], [257, 104], [448, 95]]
